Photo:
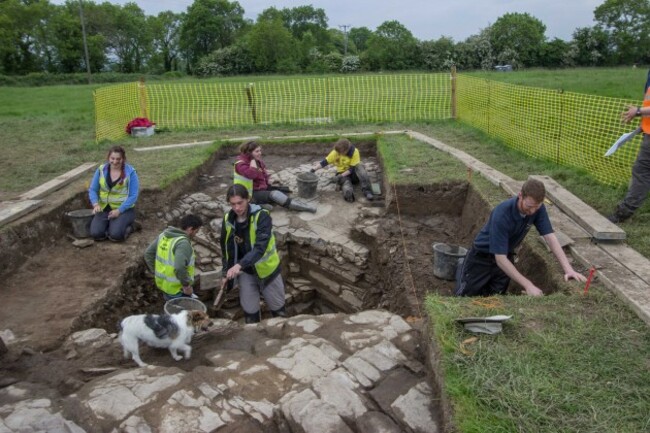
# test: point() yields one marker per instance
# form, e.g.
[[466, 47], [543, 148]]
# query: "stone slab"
[[11, 210], [597, 225], [210, 280], [58, 182]]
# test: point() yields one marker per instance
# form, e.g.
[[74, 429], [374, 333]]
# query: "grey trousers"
[[250, 288], [360, 175], [640, 182]]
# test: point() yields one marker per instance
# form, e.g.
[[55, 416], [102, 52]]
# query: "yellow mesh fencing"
[[368, 98], [115, 107], [566, 128], [570, 129]]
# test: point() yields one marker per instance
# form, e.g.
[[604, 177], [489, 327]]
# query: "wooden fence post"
[[453, 92], [142, 95], [251, 101]]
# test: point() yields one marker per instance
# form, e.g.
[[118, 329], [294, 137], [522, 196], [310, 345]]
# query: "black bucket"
[[80, 220], [445, 260], [307, 183]]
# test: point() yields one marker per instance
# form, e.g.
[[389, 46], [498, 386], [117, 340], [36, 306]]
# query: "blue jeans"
[[115, 229]]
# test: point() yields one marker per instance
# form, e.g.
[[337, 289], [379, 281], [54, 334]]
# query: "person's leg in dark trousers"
[[361, 176], [99, 226], [639, 184], [480, 276], [346, 188], [120, 227]]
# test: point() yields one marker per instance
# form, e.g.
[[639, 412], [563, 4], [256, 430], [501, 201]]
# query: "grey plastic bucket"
[[177, 305], [445, 260], [80, 220], [307, 183]]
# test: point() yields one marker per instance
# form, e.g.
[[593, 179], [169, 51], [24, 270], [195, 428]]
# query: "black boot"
[[621, 214], [252, 318], [280, 312]]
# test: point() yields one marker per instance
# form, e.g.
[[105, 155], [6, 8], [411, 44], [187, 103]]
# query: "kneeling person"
[[171, 258], [489, 264], [349, 169], [249, 255]]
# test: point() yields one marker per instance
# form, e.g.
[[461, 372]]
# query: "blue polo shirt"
[[506, 228]]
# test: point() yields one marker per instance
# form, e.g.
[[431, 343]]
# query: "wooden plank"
[[58, 182], [598, 226], [616, 277], [11, 210], [629, 258]]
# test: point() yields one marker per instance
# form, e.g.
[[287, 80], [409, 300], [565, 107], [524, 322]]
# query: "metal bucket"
[[307, 183], [445, 260], [80, 220]]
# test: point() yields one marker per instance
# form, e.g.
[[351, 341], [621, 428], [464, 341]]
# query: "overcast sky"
[[426, 19]]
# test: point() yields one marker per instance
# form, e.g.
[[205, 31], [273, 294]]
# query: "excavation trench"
[[348, 257], [345, 258]]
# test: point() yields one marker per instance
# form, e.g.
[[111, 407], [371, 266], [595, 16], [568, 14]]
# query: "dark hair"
[[121, 151], [342, 146], [236, 190], [534, 189], [249, 146], [192, 221]]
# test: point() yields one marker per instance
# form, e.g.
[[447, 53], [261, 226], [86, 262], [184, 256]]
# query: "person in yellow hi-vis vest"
[[640, 182], [171, 258], [113, 192], [349, 169], [250, 256], [250, 171]]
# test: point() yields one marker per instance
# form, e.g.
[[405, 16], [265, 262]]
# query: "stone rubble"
[[303, 374]]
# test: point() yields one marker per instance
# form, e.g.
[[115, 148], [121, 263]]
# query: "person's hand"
[[97, 209], [253, 163], [188, 290], [574, 275], [627, 116], [315, 167], [234, 271], [533, 290], [113, 214]]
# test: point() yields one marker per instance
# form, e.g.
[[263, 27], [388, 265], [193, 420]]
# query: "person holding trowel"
[[489, 264], [349, 169], [249, 255], [640, 182]]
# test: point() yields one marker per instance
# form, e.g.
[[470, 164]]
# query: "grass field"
[[623, 82]]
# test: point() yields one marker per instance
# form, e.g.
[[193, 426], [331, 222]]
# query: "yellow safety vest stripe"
[[113, 197]]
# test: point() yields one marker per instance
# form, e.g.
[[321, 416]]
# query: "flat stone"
[[83, 243], [376, 422], [415, 410], [339, 389], [303, 361], [364, 372], [397, 383], [384, 355]]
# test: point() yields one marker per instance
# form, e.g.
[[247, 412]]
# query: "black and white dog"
[[171, 331]]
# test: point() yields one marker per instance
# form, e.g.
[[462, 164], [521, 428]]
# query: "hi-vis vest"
[[165, 273], [112, 197], [645, 120], [270, 261], [238, 179]]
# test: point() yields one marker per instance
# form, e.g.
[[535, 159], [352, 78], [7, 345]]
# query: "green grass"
[[564, 363], [624, 82]]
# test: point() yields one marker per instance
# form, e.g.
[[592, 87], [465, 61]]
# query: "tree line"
[[213, 38]]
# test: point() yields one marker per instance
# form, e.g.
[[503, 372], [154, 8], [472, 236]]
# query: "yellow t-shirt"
[[343, 162]]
